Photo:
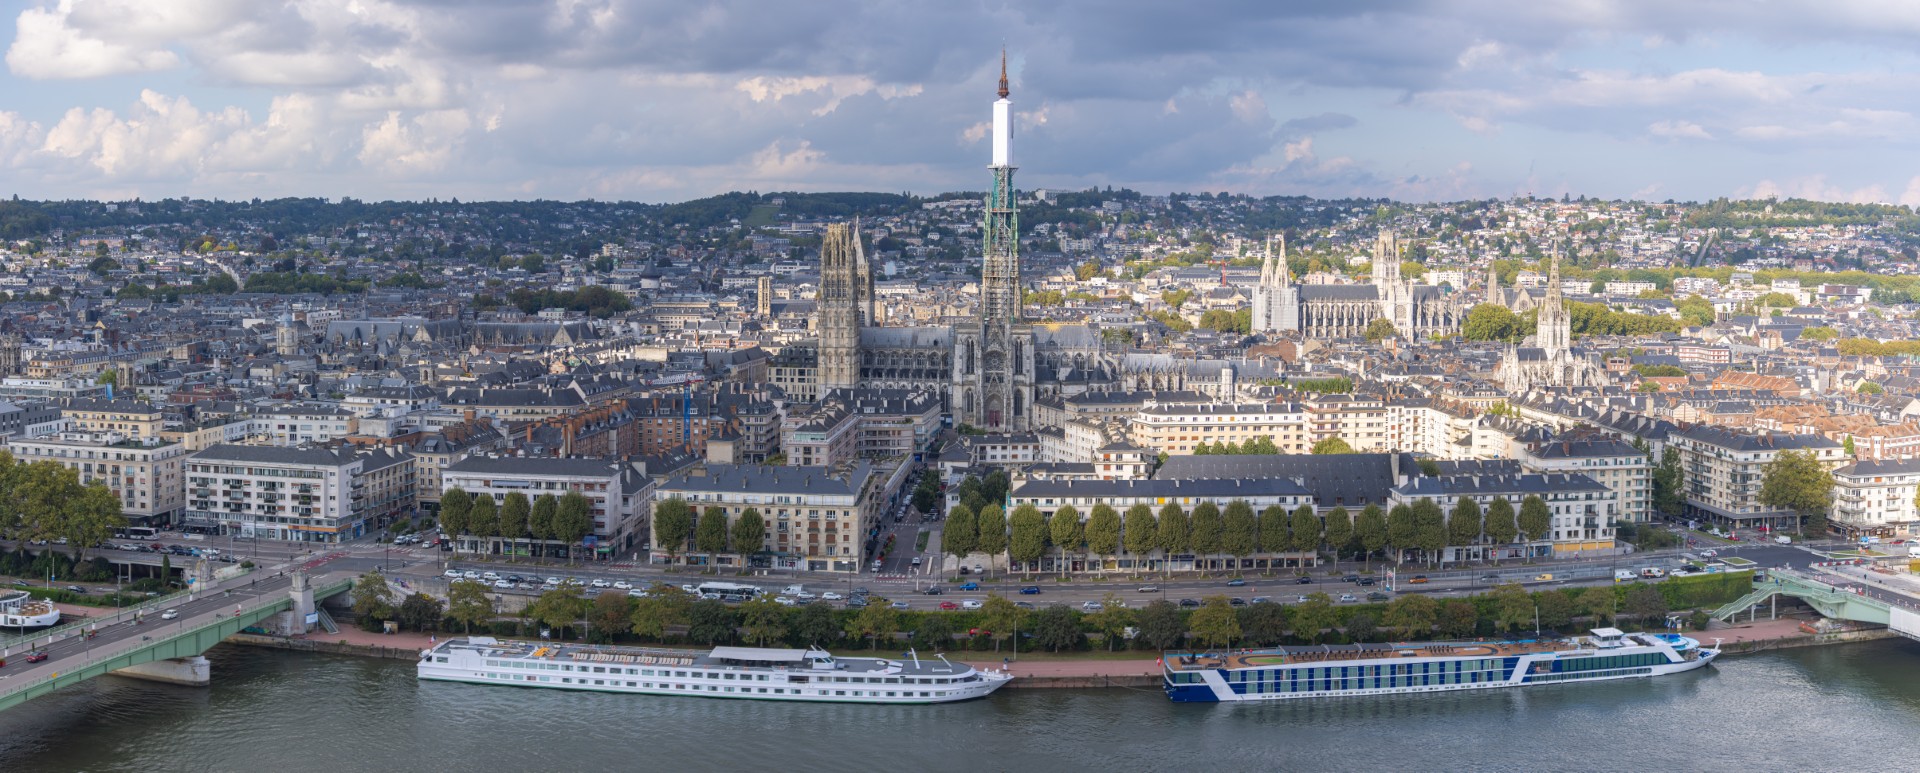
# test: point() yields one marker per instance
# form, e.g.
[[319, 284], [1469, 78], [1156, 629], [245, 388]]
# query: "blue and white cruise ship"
[[1337, 670]]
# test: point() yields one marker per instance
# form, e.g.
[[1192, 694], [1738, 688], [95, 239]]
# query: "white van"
[[793, 590], [1783, 539], [1653, 573], [1624, 575]]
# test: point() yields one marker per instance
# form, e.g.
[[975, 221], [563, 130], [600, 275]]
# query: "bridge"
[[1866, 602], [139, 643]]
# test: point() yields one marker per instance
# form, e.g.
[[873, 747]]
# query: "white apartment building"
[[1178, 429], [303, 494], [292, 425], [1723, 471], [147, 475], [1582, 510], [617, 494], [1877, 498], [1611, 462], [816, 520]]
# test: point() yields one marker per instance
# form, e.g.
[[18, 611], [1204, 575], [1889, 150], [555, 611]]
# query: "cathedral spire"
[[1003, 73]]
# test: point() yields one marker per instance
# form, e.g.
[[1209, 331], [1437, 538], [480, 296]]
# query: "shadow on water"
[[277, 711]]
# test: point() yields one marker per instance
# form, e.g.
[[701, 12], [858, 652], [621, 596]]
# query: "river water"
[[1849, 707]]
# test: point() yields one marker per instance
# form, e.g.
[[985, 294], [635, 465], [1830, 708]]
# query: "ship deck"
[[1281, 656], [649, 656]]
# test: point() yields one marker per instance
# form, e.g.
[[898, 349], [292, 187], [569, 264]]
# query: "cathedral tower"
[[1555, 329], [994, 363], [846, 297]]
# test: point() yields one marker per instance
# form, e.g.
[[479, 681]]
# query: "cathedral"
[[1549, 360], [1417, 311]]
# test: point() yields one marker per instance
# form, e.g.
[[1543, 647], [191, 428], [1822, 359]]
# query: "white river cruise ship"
[[1339, 670], [756, 673], [19, 609]]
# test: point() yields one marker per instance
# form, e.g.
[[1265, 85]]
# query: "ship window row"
[[1611, 662], [724, 675], [707, 688], [1391, 676], [1581, 675]]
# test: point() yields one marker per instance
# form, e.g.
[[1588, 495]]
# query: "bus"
[[136, 532], [728, 591]]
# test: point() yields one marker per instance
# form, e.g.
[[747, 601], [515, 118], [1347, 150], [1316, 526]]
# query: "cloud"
[[1678, 130], [48, 43]]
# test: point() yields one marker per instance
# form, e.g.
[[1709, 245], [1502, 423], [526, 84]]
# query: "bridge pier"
[[195, 671]]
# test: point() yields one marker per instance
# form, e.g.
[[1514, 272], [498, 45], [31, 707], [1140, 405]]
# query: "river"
[[1849, 707]]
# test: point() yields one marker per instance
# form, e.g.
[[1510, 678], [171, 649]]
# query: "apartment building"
[[618, 496], [291, 425], [816, 519], [131, 419], [304, 494], [821, 435], [1876, 498], [1179, 429], [145, 474], [1723, 471], [1612, 462], [1582, 510], [434, 452]]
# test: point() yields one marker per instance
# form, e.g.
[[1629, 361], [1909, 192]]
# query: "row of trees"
[[567, 519], [667, 614], [1211, 531], [47, 501], [675, 529]]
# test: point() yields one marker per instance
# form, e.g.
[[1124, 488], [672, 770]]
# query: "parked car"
[[783, 601], [452, 574], [1092, 606], [898, 605], [1377, 596], [832, 596], [1189, 603], [1347, 598], [623, 585], [601, 583]]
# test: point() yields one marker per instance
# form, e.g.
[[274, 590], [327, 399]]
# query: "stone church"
[[1417, 311]]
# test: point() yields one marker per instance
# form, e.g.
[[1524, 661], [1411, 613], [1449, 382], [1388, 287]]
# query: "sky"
[[674, 99]]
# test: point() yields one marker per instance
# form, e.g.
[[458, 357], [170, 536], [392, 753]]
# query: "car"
[[1092, 606], [949, 606], [1300, 599], [1348, 598], [503, 585], [934, 591], [684, 587], [623, 585], [638, 593], [452, 574], [970, 604], [1024, 604], [1543, 578], [36, 656], [575, 581], [805, 595], [969, 586], [546, 586], [898, 605], [1377, 596], [1029, 590], [831, 596], [1149, 589], [1709, 553], [76, 589], [856, 602], [473, 575], [783, 601], [592, 593], [489, 576], [514, 578], [1237, 601], [601, 583], [1350, 578], [860, 591], [1263, 599], [1489, 578], [1418, 579], [1189, 603], [978, 569], [170, 614], [1236, 583], [552, 581], [916, 560], [1303, 580]]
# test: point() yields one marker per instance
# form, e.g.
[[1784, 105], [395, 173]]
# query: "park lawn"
[[760, 217]]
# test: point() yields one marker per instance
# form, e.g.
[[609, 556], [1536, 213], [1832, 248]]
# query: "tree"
[[1332, 445], [993, 532], [1001, 618], [1361, 627], [1598, 603], [611, 613], [1501, 528], [468, 603], [1314, 616], [1204, 529], [1142, 532], [935, 632], [1057, 629], [749, 532], [1306, 530], [1029, 538], [1493, 322], [1103, 532], [1464, 524], [1512, 606], [672, 526], [1112, 619], [765, 621], [91, 518], [1458, 618], [540, 520], [815, 625], [1339, 528], [961, 534], [1175, 534], [1263, 623], [372, 600], [573, 521], [1556, 608], [1430, 528], [1161, 626], [419, 612], [1645, 604], [1796, 481], [1065, 531], [1239, 534], [455, 504], [1371, 530], [1535, 519], [710, 535], [483, 521], [1667, 480], [513, 520], [712, 622], [1380, 329], [1275, 536], [1413, 615], [559, 609], [1215, 623]]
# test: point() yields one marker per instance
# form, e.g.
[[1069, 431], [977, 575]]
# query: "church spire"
[[1003, 73]]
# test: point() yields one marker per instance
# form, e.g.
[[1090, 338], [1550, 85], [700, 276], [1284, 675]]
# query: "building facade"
[[147, 475]]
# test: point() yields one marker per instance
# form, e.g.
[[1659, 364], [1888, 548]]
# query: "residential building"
[[291, 425], [145, 474], [304, 493], [1877, 498], [816, 519], [133, 419], [1582, 511], [616, 492], [1723, 471], [1608, 460]]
